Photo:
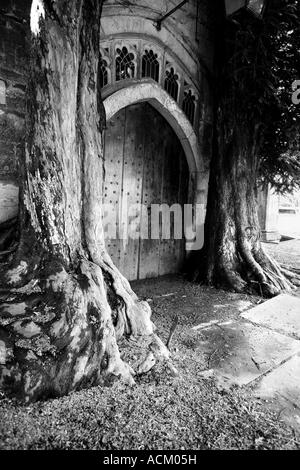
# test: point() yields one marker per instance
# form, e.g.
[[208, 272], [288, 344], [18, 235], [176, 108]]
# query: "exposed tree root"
[[57, 332], [291, 269], [247, 268], [292, 275]]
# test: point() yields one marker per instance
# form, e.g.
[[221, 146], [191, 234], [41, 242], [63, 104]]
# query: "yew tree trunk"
[[233, 256], [64, 303]]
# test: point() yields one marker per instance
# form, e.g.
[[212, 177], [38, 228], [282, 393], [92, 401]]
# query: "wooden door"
[[144, 165]]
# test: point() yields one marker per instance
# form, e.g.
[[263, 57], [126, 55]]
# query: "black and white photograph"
[[149, 228]]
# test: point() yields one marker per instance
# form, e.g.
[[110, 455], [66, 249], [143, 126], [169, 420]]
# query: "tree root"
[[62, 339], [133, 314], [251, 269], [293, 276], [57, 332], [291, 269]]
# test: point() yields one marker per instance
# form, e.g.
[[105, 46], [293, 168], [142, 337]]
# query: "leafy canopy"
[[262, 62]]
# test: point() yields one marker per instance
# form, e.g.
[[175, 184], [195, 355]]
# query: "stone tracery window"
[[171, 83], [103, 72], [125, 66], [150, 65], [189, 105], [138, 59]]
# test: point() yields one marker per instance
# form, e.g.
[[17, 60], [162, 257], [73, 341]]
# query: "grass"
[[161, 414]]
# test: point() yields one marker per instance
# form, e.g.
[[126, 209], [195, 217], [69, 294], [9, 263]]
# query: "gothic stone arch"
[[161, 100]]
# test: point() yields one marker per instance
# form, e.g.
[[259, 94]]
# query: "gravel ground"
[[160, 412]]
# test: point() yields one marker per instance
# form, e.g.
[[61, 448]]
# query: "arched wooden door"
[[144, 164]]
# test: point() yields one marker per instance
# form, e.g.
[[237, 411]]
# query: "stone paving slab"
[[240, 352], [282, 313], [281, 388]]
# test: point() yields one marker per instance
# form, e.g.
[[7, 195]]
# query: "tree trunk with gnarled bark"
[[66, 304], [233, 256]]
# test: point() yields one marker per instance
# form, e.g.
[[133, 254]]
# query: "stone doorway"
[[144, 164]]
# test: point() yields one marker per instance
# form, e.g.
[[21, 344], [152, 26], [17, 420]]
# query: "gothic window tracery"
[[171, 83], [138, 59], [103, 72], [125, 66], [189, 105], [150, 65]]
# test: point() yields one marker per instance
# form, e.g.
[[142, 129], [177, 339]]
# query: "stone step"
[[282, 314], [281, 388], [239, 352]]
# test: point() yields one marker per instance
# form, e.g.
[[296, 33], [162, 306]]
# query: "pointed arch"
[[151, 92]]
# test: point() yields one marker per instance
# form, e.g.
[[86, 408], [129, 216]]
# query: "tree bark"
[[233, 256], [66, 303]]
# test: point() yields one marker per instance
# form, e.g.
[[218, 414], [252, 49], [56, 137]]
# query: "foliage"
[[262, 62], [280, 154]]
